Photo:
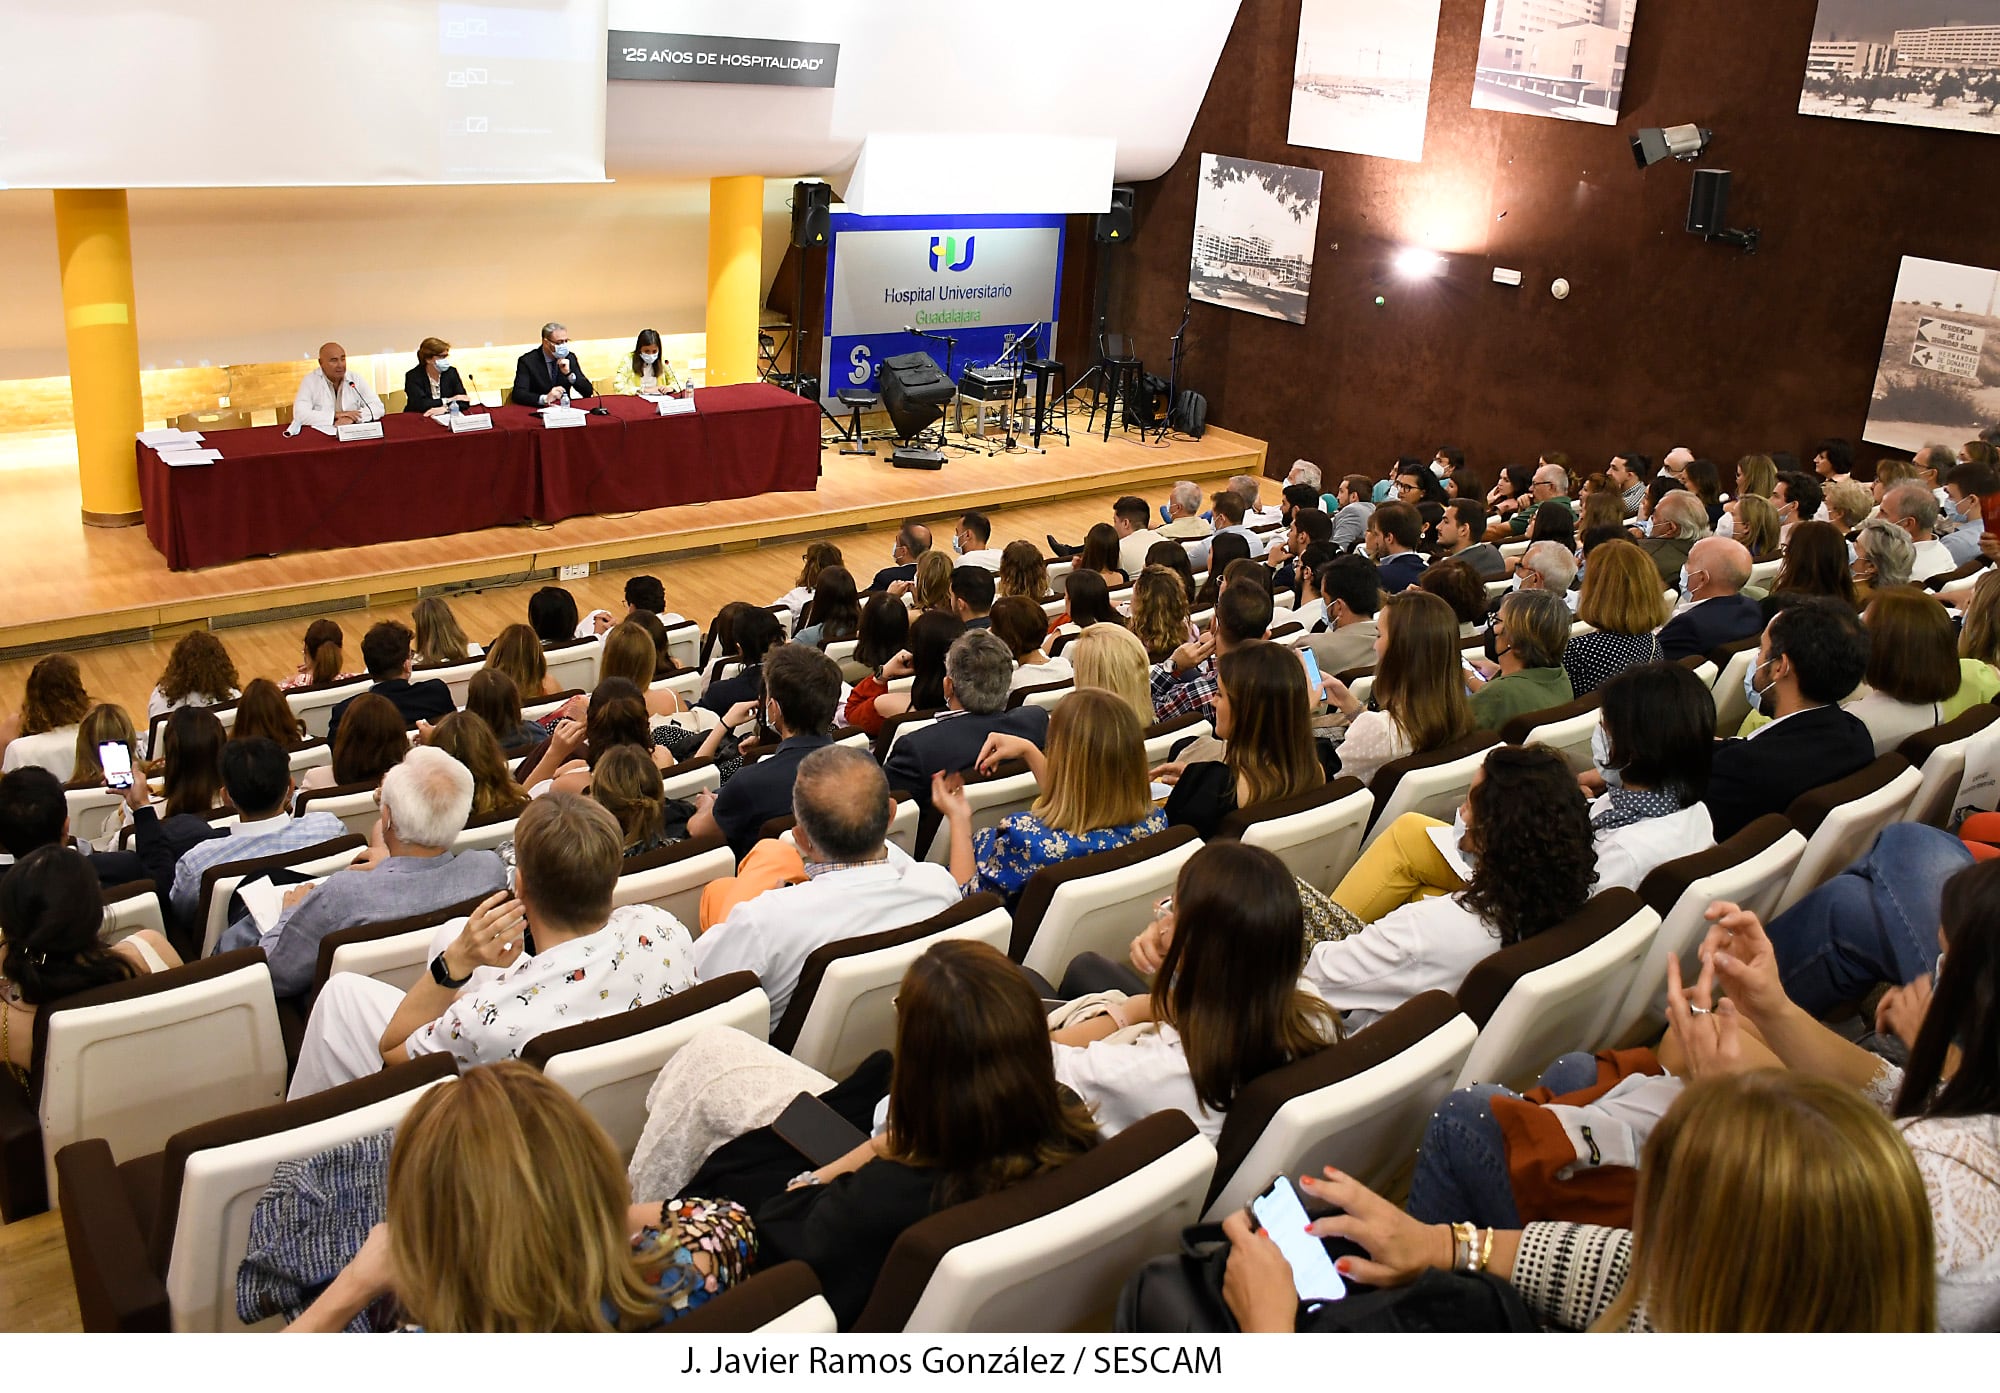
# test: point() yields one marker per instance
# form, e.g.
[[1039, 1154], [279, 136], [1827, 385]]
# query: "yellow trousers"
[[1402, 865]]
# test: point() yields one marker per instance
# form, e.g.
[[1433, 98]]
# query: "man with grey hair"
[[549, 374], [1718, 611], [978, 676], [1247, 487], [1883, 555], [1549, 566], [409, 868], [1933, 462], [1550, 485], [1185, 523], [856, 883], [1679, 521], [1304, 471], [1914, 508]]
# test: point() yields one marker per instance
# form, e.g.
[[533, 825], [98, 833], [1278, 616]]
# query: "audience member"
[[1229, 512], [1816, 563], [801, 693], [972, 542], [263, 714], [1980, 638], [551, 614], [1915, 679], [1629, 473], [43, 731], [1023, 572], [1021, 625], [1758, 528], [1882, 557], [325, 664], [630, 653], [885, 629], [978, 674], [1110, 659], [1352, 590], [1798, 498], [34, 814], [1087, 601], [1160, 612], [485, 995], [1679, 521], [755, 634], [1963, 486], [410, 869], [1263, 717], [1523, 669], [370, 742], [913, 539], [1459, 586], [930, 592], [1391, 540], [627, 784], [1225, 551], [1914, 508], [1459, 534], [1649, 758], [1418, 703], [385, 648], [1550, 484], [931, 638], [258, 779], [1846, 506], [834, 612], [1554, 522], [1184, 522], [492, 696], [1186, 683], [1306, 526], [438, 639], [972, 595], [1810, 657], [1717, 612], [1622, 602], [466, 737], [1174, 557], [516, 654], [199, 673], [1352, 505], [105, 724], [817, 557]]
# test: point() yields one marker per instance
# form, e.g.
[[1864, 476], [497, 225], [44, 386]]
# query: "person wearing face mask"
[[1717, 612], [647, 373], [1522, 670], [1811, 655], [1518, 861], [1963, 485], [1649, 770], [549, 373], [433, 385], [972, 540]]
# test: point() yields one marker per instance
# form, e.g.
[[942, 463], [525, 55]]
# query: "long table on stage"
[[273, 493]]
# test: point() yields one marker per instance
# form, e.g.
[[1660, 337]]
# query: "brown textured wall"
[[1663, 341]]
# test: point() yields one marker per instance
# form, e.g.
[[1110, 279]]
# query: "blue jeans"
[[1461, 1173], [1877, 921]]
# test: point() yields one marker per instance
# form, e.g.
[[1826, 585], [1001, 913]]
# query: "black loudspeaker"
[[914, 392], [1708, 205], [812, 214], [1115, 224]]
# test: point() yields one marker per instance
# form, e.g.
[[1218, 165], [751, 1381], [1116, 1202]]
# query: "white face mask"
[[1459, 833], [443, 365], [1437, 469], [1600, 756], [649, 358]]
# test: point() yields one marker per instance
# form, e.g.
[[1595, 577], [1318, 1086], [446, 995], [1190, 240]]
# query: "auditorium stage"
[[69, 584]]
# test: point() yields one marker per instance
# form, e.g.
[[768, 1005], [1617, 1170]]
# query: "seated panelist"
[[549, 374], [433, 384], [329, 397], [648, 373]]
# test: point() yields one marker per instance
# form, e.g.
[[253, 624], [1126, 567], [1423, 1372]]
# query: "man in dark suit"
[[1813, 654], [386, 650], [911, 542], [1717, 570], [549, 374], [34, 814], [978, 671]]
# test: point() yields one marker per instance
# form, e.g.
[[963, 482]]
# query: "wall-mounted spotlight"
[[1656, 143], [1414, 263]]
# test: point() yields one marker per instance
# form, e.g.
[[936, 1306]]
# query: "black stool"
[[857, 400], [1051, 397], [1121, 369]]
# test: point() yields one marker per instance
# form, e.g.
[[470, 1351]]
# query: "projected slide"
[[229, 93]]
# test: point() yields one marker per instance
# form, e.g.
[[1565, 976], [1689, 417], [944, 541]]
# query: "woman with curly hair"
[[43, 732], [1024, 571], [199, 673], [1160, 612], [1458, 585], [1525, 834], [263, 714]]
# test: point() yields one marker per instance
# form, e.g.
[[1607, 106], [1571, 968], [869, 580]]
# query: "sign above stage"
[[648, 57], [903, 284]]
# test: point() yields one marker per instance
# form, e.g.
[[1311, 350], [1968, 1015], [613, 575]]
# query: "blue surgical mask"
[[649, 358], [441, 364], [561, 350], [1750, 687], [957, 545], [1600, 756], [1645, 526]]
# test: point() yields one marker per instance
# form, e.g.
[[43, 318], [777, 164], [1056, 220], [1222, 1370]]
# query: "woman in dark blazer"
[[433, 382]]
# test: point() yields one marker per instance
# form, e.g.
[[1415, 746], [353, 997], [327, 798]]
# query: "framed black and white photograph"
[[1558, 58], [1254, 225], [1361, 81], [1932, 63], [1939, 377]]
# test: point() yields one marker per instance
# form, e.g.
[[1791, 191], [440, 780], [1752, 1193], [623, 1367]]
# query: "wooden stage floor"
[[72, 583]]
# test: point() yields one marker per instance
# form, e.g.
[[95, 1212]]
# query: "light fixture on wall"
[[1656, 143], [1415, 263]]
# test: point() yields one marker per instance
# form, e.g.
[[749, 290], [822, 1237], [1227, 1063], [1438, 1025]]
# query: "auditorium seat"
[[1010, 789], [1566, 729], [685, 685], [574, 664], [484, 834], [354, 804], [134, 1062], [896, 727], [457, 676], [1097, 903], [1764, 574], [1360, 1106], [1751, 869], [1841, 820], [1941, 754], [313, 705], [844, 1007], [224, 419], [129, 908], [312, 754], [1555, 992], [1047, 694], [93, 812], [1733, 663], [673, 877], [223, 711], [781, 1300], [1163, 737], [1433, 784], [609, 1064], [691, 776], [154, 1243], [1317, 834], [395, 951], [536, 709], [903, 824], [219, 882], [1051, 1252]]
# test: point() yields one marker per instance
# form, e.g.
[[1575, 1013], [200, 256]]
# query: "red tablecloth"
[[272, 493]]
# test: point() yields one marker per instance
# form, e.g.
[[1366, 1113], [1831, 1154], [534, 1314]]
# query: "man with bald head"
[[330, 398], [1717, 570], [855, 882], [913, 539]]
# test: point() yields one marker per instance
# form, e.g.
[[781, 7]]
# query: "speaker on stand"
[[812, 227]]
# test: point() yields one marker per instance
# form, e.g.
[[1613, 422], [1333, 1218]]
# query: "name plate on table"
[[459, 423], [676, 406], [361, 430], [560, 417]]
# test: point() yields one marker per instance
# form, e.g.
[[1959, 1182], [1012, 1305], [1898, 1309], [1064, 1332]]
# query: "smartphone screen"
[[115, 758], [1279, 1213], [1311, 662]]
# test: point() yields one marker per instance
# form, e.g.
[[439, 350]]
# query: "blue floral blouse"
[[1022, 844]]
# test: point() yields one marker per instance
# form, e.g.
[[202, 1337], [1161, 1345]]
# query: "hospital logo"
[[945, 250]]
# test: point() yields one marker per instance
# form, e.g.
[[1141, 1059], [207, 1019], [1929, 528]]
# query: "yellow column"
[[735, 276], [94, 241]]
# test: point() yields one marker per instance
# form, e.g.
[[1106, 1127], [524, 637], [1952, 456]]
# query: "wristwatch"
[[442, 976]]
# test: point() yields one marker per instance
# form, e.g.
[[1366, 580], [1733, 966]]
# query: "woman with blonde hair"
[[930, 592], [263, 713], [199, 673], [1848, 505], [104, 724], [1418, 703], [1825, 1227], [627, 784], [43, 731], [470, 741], [1758, 527], [1024, 571], [1263, 713], [1110, 658], [1623, 603], [1160, 612], [518, 653], [631, 653], [509, 1210], [1094, 797], [439, 639]]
